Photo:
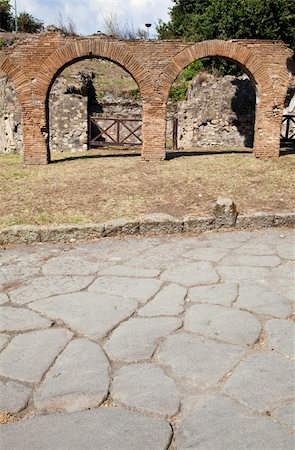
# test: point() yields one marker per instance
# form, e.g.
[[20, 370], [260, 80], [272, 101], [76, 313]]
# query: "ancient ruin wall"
[[33, 65], [217, 112]]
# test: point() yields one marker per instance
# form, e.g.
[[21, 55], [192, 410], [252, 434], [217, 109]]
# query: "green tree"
[[231, 19], [29, 24], [6, 16]]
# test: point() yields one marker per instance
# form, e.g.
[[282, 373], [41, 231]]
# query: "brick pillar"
[[35, 136], [268, 122], [154, 130]]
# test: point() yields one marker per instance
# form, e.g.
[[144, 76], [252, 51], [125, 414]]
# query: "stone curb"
[[151, 224]]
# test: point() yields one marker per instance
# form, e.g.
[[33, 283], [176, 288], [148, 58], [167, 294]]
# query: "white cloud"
[[89, 15]]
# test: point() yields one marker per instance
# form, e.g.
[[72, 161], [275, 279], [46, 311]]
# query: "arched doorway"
[[268, 114], [93, 104], [212, 102]]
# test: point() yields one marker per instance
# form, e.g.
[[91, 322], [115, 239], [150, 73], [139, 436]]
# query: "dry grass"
[[95, 188]]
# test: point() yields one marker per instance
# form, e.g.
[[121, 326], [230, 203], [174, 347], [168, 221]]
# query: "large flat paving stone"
[[90, 313], [127, 271], [18, 271], [4, 338], [286, 415], [141, 289], [255, 247], [79, 379], [219, 423], [281, 336], [71, 265], [239, 273], [192, 274], [213, 254], [220, 322], [251, 260], [43, 287], [136, 339], [197, 361], [20, 319], [262, 381], [160, 257], [220, 294], [168, 302], [28, 356], [3, 298], [261, 299], [13, 397], [104, 428], [286, 250], [146, 388]]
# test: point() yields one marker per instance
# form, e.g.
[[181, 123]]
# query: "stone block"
[[225, 213], [158, 223], [63, 233], [121, 226]]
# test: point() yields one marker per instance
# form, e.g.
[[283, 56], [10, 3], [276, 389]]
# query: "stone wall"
[[68, 116], [11, 136], [218, 111]]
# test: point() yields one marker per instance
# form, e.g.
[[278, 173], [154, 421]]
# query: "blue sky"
[[88, 15]]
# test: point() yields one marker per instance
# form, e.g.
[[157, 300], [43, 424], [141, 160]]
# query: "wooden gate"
[[110, 131], [288, 123]]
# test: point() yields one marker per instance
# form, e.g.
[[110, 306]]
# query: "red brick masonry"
[[34, 63]]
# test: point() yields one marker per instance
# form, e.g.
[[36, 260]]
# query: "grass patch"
[[97, 186]]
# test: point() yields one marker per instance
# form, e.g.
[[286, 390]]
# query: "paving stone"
[[79, 379], [146, 387], [3, 298], [4, 338], [20, 319], [168, 302], [281, 336], [140, 288], [18, 272], [136, 339], [28, 356], [160, 257], [192, 274], [255, 247], [261, 299], [251, 260], [205, 254], [104, 428], [89, 313], [239, 274], [286, 250], [230, 239], [220, 322], [43, 287], [284, 271], [286, 415], [127, 271], [197, 361], [263, 381], [13, 397], [220, 294], [219, 423], [71, 265]]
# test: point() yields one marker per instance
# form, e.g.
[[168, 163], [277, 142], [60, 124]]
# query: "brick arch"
[[88, 48], [228, 50], [234, 52]]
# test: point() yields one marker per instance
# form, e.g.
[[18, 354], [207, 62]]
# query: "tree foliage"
[[29, 24], [6, 16], [199, 20], [25, 22]]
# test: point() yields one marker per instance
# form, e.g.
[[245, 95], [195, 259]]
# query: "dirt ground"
[[104, 184]]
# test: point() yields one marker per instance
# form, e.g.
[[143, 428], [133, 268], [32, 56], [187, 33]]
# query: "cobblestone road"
[[149, 343]]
